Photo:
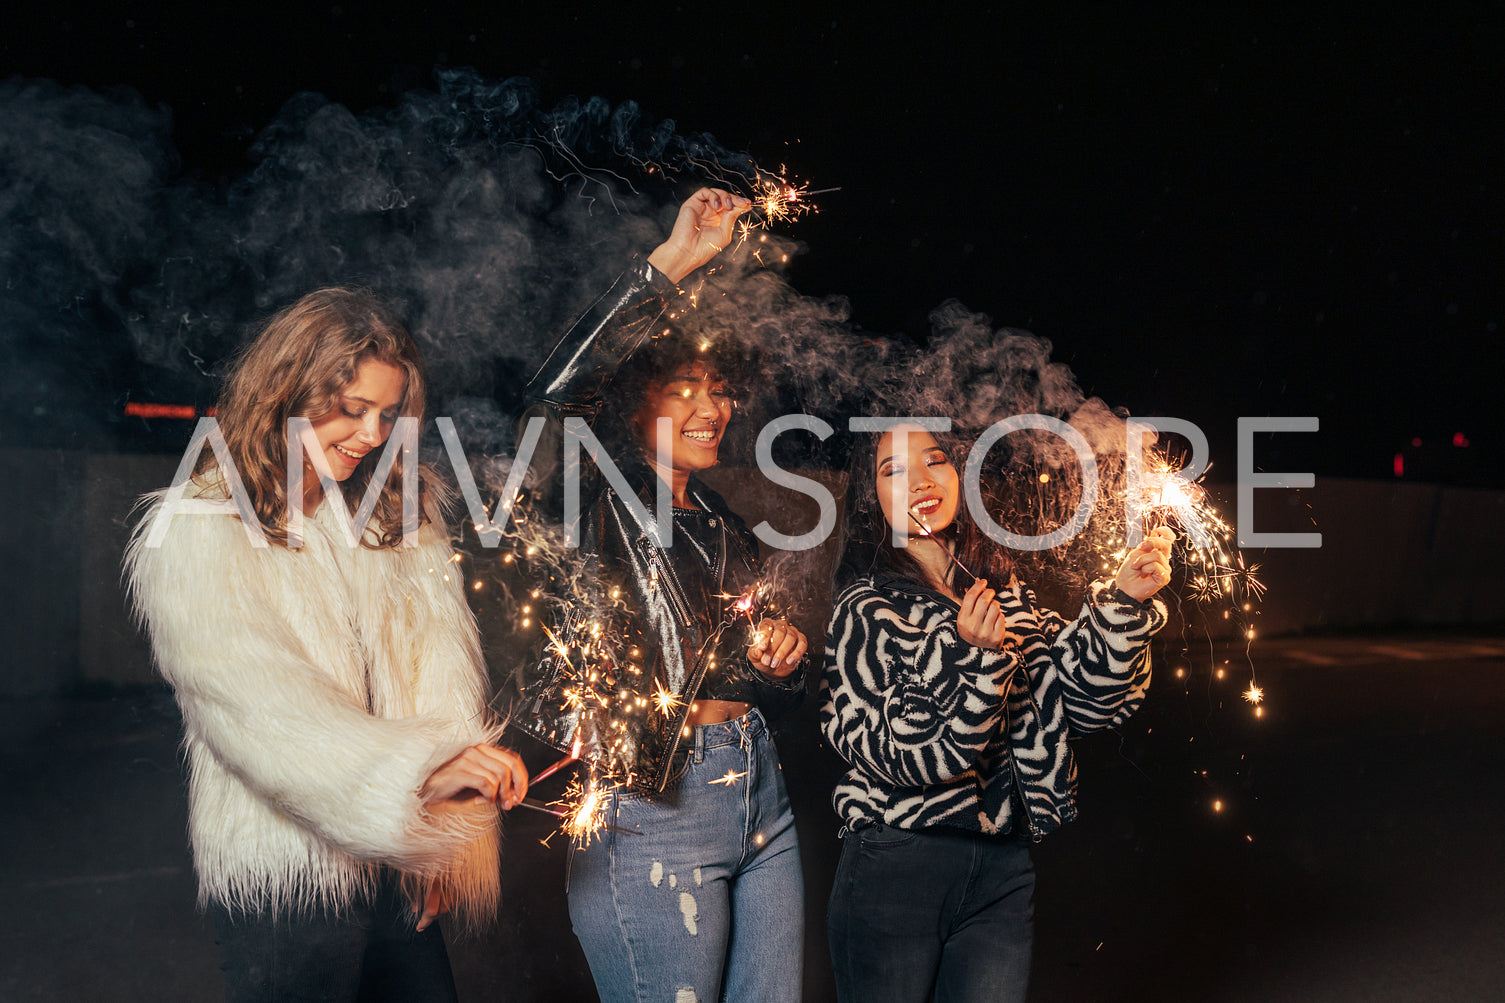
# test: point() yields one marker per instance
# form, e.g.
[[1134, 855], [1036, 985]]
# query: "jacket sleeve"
[[910, 705], [573, 377], [1102, 658], [253, 697], [441, 644], [578, 368], [779, 696]]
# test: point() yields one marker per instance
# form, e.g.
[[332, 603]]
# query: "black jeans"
[[369, 952], [936, 911]]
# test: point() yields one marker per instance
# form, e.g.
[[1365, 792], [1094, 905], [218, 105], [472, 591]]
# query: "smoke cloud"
[[487, 219]]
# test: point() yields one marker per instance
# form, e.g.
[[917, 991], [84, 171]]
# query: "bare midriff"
[[715, 711]]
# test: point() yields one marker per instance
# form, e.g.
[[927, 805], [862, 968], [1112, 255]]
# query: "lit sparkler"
[[549, 771], [536, 805], [729, 778]]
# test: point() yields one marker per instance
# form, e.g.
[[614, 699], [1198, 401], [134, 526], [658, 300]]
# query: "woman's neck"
[[932, 557], [678, 481]]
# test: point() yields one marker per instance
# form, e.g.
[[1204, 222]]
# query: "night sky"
[[1209, 214]]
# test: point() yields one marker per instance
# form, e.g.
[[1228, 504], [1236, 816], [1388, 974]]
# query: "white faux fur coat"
[[319, 689]]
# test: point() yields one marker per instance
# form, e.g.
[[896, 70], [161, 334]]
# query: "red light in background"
[[141, 409], [1400, 465], [1459, 439], [1416, 442]]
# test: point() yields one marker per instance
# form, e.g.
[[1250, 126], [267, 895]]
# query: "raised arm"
[[584, 360]]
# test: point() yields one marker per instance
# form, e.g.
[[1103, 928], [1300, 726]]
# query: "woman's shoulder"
[[875, 587], [197, 514]]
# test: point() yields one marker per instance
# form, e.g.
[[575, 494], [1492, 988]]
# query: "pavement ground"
[[1344, 845]]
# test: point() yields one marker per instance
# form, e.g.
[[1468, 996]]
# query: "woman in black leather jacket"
[[663, 673]]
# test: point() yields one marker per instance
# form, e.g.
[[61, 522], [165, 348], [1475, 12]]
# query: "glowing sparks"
[[777, 199], [1254, 694], [665, 702], [1239, 576], [729, 778], [588, 817]]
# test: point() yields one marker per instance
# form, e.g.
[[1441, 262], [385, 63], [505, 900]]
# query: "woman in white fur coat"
[[343, 788]]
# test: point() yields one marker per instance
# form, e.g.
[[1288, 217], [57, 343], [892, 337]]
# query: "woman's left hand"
[[777, 647], [1147, 569], [701, 231], [435, 901]]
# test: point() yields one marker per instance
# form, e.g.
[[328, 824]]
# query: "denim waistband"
[[734, 732]]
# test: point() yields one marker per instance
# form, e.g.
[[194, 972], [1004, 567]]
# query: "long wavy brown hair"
[[296, 367]]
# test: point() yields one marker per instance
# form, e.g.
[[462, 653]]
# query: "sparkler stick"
[[926, 530], [549, 771]]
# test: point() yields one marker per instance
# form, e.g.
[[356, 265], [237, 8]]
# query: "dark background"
[[1210, 213]]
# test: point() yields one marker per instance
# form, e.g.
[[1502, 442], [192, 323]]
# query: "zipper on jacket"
[[1029, 825]]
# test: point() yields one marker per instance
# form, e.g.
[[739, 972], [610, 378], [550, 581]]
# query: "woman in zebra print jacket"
[[953, 702]]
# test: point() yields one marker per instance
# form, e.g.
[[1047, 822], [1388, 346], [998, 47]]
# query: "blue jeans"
[[935, 911], [708, 903], [368, 952]]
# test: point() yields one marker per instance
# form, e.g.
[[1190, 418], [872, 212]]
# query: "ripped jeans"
[[708, 903]]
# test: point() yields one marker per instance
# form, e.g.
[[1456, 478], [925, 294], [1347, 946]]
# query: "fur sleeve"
[[418, 605], [254, 697]]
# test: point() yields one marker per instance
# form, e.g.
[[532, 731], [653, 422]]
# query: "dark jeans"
[[937, 911], [367, 953]]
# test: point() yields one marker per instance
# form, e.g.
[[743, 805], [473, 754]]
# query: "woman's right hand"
[[980, 621], [480, 773], [701, 231]]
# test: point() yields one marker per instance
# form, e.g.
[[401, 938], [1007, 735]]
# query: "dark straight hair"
[[868, 539]]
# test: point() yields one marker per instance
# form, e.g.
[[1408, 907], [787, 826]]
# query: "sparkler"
[[928, 532], [538, 806], [549, 771]]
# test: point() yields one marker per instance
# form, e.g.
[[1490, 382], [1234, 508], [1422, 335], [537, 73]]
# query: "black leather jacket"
[[646, 624]]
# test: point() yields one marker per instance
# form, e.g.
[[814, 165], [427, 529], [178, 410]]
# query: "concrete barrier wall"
[[1392, 554]]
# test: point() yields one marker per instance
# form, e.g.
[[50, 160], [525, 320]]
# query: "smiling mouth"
[[926, 506], [356, 457], [700, 436]]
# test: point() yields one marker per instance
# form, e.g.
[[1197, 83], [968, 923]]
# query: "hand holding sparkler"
[[480, 773], [1147, 569], [702, 230], [981, 621], [777, 647]]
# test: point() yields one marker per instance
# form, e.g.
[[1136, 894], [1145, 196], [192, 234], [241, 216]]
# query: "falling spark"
[[664, 701], [1254, 694], [1241, 576]]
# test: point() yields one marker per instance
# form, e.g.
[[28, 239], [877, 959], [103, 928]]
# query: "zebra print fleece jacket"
[[941, 733]]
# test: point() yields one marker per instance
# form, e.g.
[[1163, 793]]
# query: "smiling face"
[[914, 475], [365, 411], [698, 405]]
